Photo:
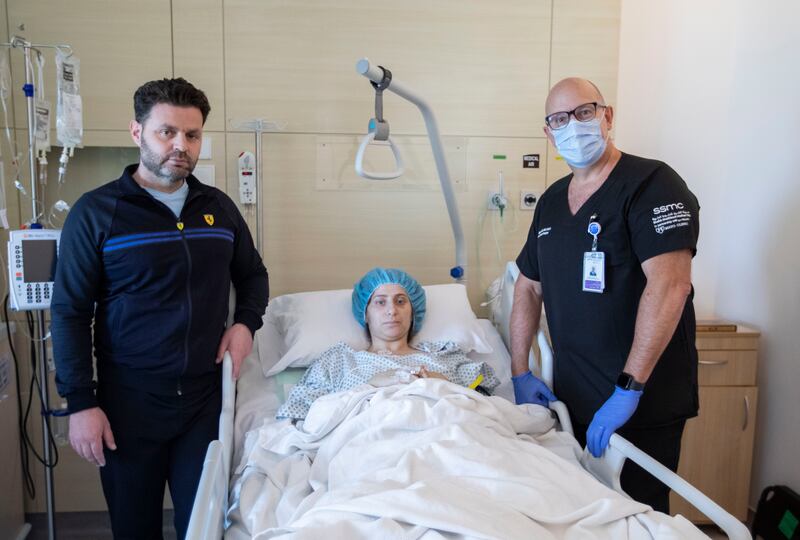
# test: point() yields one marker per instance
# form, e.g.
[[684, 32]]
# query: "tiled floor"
[[84, 526]]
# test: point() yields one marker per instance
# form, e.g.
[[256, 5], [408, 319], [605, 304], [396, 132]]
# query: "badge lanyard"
[[594, 262]]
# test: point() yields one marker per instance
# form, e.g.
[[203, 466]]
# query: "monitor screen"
[[39, 260]]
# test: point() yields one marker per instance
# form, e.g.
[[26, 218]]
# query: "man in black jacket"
[[149, 259]]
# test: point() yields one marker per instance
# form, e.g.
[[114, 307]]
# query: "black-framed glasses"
[[582, 113]]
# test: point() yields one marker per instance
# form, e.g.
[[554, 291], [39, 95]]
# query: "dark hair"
[[178, 92]]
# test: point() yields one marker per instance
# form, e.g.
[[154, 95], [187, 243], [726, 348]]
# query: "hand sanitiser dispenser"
[[32, 256]]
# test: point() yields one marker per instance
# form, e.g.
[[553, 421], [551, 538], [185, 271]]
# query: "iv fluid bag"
[[69, 107]]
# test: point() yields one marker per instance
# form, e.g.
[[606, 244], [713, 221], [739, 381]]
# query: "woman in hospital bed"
[[425, 460], [390, 305]]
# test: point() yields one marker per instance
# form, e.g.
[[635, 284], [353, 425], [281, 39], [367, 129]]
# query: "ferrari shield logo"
[[180, 226], [209, 218]]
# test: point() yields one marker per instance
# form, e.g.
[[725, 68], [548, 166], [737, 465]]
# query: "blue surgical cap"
[[376, 277]]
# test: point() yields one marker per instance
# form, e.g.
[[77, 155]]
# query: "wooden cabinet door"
[[717, 449]]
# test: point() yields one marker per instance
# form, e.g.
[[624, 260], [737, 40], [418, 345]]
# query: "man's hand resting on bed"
[[530, 389], [611, 416], [238, 341]]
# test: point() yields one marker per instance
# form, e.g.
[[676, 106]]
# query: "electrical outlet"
[[528, 200]]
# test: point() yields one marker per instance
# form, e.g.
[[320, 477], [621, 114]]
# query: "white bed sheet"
[[259, 397], [428, 460]]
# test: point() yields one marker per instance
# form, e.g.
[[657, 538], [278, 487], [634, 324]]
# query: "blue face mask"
[[580, 143]]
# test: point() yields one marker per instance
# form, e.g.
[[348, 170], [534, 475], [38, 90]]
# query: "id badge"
[[594, 271]]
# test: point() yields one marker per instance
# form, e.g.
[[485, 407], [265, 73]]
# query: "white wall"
[[713, 88]]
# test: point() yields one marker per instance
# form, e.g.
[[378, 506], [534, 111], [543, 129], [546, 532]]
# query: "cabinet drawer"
[[727, 368], [714, 341]]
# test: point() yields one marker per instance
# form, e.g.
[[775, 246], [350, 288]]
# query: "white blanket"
[[428, 460]]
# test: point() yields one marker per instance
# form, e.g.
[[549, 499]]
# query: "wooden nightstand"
[[717, 448]]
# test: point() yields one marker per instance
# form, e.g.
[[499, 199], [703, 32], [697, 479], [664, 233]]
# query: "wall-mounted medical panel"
[[492, 239], [235, 144], [483, 66]]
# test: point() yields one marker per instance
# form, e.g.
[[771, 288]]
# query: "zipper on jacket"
[[191, 195], [188, 297]]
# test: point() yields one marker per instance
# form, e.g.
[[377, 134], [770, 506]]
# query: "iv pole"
[[26, 46]]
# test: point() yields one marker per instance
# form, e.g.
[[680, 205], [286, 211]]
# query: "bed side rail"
[[208, 512], [226, 416], [211, 501], [607, 470]]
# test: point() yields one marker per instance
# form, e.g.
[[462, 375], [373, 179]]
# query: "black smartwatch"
[[627, 382]]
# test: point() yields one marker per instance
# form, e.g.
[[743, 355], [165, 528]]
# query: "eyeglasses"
[[582, 113]]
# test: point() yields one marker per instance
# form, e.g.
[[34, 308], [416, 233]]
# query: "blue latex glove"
[[531, 389], [613, 414]]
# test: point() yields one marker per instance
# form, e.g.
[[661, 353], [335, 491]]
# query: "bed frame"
[[211, 502]]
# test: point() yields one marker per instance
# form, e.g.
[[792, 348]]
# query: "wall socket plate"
[[494, 199], [528, 200]]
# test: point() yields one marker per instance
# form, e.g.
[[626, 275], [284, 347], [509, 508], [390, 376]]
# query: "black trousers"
[[160, 439], [663, 443]]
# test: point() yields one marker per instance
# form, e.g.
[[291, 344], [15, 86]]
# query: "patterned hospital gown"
[[341, 368]]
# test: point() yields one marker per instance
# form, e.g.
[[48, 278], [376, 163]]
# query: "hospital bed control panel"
[[32, 256]]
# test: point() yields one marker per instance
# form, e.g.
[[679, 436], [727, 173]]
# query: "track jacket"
[[156, 286]]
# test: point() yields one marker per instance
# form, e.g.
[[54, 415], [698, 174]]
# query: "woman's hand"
[[423, 373]]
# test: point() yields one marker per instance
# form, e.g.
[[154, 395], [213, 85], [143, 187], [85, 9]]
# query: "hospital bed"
[[247, 402]]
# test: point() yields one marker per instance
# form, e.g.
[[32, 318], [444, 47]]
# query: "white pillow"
[[312, 322], [270, 344]]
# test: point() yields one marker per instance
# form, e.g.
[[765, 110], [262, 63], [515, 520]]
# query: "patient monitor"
[[32, 256]]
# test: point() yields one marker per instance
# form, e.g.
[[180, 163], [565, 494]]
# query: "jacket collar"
[[129, 186]]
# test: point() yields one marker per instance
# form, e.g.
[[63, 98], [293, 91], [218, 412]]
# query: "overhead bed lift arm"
[[376, 75]]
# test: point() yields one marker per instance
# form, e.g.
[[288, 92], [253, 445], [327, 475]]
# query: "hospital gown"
[[341, 368]]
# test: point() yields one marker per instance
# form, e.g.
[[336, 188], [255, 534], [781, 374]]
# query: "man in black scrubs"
[[610, 255]]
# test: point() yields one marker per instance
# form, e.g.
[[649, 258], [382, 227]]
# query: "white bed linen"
[[428, 459], [257, 397]]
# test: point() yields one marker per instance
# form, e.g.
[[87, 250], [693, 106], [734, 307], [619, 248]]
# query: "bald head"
[[568, 93]]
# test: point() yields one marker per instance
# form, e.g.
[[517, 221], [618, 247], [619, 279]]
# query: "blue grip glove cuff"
[[531, 389], [611, 416]]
